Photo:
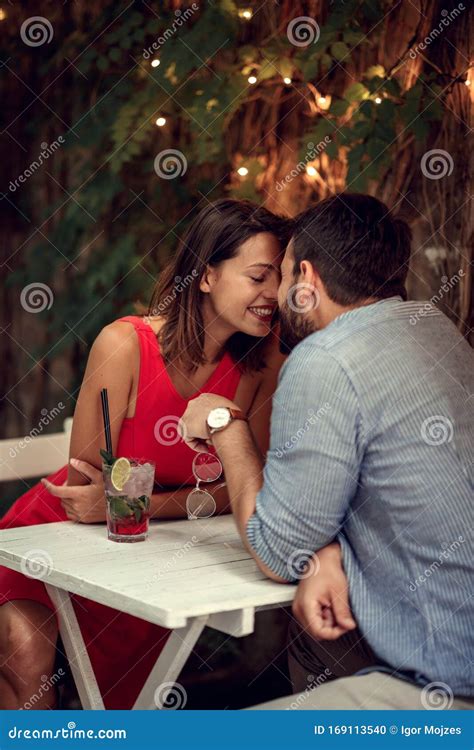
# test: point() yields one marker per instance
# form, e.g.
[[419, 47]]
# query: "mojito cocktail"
[[128, 488]]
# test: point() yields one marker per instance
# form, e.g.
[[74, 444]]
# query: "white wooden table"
[[188, 574]]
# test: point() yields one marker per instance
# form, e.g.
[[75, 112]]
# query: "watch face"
[[219, 417]]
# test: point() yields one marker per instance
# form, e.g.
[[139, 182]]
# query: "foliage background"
[[95, 222]]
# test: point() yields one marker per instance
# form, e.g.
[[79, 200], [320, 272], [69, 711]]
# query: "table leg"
[[169, 664], [76, 650]]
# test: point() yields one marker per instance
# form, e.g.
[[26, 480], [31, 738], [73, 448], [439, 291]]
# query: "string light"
[[467, 82], [252, 79], [3, 15], [311, 171], [155, 63], [324, 101], [378, 100], [245, 13], [161, 121], [242, 171], [287, 80]]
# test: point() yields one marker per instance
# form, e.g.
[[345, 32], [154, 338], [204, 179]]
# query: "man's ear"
[[309, 274]]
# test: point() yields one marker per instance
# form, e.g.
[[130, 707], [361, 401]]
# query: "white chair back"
[[34, 456]]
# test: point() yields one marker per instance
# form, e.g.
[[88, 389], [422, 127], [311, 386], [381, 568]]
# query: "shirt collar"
[[375, 309]]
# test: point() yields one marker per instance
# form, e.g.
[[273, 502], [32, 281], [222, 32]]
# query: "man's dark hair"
[[356, 246]]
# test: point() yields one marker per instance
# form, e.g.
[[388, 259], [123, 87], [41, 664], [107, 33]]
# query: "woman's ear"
[[205, 284]]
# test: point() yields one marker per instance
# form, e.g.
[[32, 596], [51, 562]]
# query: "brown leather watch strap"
[[237, 414]]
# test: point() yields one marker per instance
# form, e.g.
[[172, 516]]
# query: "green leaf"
[[332, 150], [103, 64], [339, 50], [285, 67], [351, 36], [375, 70], [338, 107], [326, 60], [119, 507], [356, 92], [115, 54]]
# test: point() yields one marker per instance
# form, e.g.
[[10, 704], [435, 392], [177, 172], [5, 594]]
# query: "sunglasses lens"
[[200, 504], [207, 467]]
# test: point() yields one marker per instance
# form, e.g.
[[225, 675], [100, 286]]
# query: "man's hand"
[[321, 604], [82, 503], [193, 425]]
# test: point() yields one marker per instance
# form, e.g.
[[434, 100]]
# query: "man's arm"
[[243, 465], [312, 466]]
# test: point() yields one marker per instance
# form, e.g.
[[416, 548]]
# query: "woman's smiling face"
[[242, 291]]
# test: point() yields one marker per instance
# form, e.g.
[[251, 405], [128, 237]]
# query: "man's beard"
[[294, 327]]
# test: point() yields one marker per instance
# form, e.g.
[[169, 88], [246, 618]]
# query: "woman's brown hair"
[[214, 236]]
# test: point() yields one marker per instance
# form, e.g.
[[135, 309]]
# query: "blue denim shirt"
[[372, 443]]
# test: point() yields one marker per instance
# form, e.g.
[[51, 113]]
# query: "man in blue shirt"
[[371, 459]]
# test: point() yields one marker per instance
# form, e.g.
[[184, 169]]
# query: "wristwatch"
[[218, 419]]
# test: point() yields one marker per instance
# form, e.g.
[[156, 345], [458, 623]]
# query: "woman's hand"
[[321, 604], [82, 503]]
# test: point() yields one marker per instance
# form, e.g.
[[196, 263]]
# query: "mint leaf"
[[119, 508]]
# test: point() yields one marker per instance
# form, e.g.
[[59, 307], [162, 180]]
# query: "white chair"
[[27, 457]]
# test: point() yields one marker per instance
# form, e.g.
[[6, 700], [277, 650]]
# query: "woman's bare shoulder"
[[119, 334]]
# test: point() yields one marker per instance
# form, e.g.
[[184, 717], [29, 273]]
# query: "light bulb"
[[155, 63], [252, 79], [312, 171], [287, 80], [378, 100], [161, 121], [242, 171], [246, 13]]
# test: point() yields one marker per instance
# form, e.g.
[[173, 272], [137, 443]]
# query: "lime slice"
[[120, 473]]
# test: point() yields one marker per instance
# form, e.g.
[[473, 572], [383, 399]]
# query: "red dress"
[[122, 648]]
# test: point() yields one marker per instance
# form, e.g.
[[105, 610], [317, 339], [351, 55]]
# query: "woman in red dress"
[[211, 327]]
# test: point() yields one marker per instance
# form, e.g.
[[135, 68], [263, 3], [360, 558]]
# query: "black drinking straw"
[[106, 416]]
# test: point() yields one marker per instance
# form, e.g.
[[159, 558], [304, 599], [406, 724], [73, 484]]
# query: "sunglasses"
[[200, 503]]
